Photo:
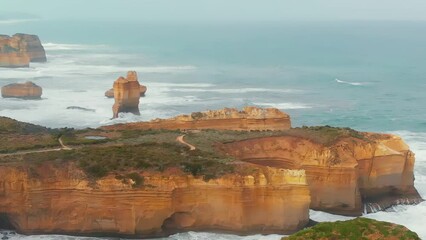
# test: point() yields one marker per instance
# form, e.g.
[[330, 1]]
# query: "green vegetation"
[[356, 229], [124, 151], [15, 136], [8, 125]]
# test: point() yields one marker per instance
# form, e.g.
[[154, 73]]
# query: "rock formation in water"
[[49, 198], [20, 49], [28, 90], [250, 118], [126, 94], [352, 175], [110, 92]]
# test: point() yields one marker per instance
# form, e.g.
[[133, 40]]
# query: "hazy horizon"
[[214, 11]]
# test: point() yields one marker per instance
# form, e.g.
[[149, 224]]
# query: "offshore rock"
[[126, 94], [351, 176], [48, 198], [110, 92], [28, 90], [250, 118], [20, 49]]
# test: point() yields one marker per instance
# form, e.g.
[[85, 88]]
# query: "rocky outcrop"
[[110, 92], [350, 176], [45, 198], [28, 90], [250, 118], [126, 94], [20, 49]]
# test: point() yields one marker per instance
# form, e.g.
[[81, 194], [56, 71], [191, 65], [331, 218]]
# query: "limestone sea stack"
[[20, 49], [250, 118], [28, 90], [126, 94], [110, 92]]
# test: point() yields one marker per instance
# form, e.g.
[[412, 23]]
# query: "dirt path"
[[63, 147], [180, 139]]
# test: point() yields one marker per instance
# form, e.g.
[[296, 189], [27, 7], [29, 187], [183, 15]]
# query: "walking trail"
[[181, 140], [63, 147]]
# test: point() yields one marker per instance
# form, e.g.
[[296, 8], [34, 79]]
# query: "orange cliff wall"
[[52, 199], [250, 118], [349, 177]]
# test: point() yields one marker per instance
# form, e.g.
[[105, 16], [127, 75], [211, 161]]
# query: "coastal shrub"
[[359, 228]]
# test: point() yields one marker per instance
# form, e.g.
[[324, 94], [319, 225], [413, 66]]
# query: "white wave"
[[16, 21], [352, 83], [180, 236], [287, 105], [64, 46]]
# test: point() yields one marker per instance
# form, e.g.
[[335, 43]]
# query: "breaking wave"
[[286, 105], [352, 83]]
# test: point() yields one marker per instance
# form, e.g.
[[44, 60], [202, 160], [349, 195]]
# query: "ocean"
[[369, 76]]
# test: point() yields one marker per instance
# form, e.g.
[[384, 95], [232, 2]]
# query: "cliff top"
[[231, 113]]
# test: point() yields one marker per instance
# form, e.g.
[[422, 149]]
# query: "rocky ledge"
[[28, 90], [348, 172], [250, 118], [20, 49]]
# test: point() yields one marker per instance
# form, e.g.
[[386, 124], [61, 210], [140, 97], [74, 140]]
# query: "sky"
[[216, 10]]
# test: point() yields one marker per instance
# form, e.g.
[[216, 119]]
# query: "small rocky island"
[[126, 94], [20, 49], [28, 90], [242, 171]]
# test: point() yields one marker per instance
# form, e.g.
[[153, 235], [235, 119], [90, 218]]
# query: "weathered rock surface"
[[350, 176], [250, 118], [110, 92], [20, 49], [126, 94], [28, 90], [60, 199]]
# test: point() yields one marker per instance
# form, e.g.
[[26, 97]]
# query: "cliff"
[[28, 90], [126, 94], [20, 49], [350, 175], [250, 118], [49, 198]]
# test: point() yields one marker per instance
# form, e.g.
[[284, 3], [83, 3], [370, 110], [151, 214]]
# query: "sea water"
[[369, 76]]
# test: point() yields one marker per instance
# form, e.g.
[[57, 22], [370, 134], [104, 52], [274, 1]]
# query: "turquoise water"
[[366, 75]]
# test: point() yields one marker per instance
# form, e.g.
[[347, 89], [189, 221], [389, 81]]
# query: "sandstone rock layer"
[[250, 118], [349, 177], [28, 90], [110, 92], [126, 94], [20, 49], [49, 199]]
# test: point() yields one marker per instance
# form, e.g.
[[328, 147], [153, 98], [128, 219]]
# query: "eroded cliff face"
[[28, 90], [20, 49], [250, 118], [349, 177], [110, 92], [126, 94], [61, 199]]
